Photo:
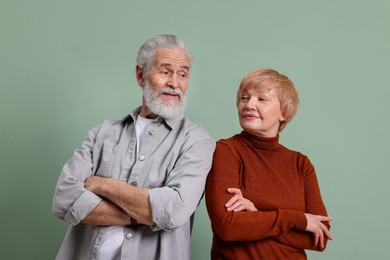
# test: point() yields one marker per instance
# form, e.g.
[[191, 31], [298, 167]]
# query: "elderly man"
[[131, 190]]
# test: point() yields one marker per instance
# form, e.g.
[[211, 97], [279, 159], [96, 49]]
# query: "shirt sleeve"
[[173, 204], [244, 225], [314, 205], [72, 202]]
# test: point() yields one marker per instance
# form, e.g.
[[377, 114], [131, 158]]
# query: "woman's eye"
[[244, 98]]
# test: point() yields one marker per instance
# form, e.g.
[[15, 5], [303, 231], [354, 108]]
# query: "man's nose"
[[173, 81]]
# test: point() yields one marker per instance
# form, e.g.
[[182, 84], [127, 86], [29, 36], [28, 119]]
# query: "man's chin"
[[172, 111], [175, 101]]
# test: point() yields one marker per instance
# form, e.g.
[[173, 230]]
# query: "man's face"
[[166, 84]]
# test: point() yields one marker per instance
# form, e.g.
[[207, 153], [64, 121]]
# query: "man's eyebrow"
[[170, 65]]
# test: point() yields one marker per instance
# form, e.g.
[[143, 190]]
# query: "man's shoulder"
[[121, 121], [193, 129], [108, 124], [191, 135], [118, 121]]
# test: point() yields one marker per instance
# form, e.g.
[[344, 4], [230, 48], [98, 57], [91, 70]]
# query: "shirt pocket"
[[106, 159]]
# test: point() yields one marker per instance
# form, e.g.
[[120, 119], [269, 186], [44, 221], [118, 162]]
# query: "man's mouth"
[[171, 93]]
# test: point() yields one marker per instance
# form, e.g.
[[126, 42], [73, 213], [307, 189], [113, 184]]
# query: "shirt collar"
[[170, 122]]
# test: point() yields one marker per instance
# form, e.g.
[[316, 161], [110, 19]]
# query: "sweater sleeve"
[[314, 205], [244, 225]]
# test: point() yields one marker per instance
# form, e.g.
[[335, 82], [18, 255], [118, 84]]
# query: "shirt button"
[[151, 132], [141, 158], [133, 183], [129, 235]]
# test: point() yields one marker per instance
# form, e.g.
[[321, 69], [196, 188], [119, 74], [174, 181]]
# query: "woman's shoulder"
[[298, 156]]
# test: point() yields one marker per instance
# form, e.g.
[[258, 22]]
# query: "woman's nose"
[[250, 104]]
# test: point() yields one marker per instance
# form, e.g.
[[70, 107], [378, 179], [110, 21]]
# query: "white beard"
[[153, 102]]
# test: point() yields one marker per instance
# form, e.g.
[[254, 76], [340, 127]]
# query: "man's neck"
[[146, 113]]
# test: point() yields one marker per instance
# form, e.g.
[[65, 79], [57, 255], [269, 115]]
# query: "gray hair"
[[147, 51]]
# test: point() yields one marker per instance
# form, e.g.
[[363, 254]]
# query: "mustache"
[[170, 91]]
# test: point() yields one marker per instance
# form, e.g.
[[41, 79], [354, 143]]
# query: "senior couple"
[[130, 191]]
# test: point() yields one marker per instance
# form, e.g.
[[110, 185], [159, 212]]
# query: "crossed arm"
[[315, 223], [97, 200], [121, 202], [235, 218]]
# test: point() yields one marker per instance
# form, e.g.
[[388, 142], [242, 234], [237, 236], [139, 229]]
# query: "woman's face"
[[259, 112]]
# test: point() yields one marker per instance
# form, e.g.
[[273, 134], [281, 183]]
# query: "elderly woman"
[[263, 199]]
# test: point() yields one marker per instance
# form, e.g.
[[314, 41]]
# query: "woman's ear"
[[139, 73], [282, 118]]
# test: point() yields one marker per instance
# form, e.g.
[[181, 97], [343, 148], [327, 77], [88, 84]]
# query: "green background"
[[67, 65]]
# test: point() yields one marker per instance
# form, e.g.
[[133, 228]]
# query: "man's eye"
[[244, 98], [182, 75], [164, 71]]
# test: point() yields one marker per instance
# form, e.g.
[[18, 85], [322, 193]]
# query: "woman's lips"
[[250, 116]]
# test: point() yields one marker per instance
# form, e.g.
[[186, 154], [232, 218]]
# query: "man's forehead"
[[167, 57]]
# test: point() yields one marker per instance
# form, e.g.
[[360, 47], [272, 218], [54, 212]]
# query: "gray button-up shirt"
[[173, 162]]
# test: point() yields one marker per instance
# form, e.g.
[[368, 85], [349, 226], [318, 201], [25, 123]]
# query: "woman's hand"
[[238, 202], [319, 230]]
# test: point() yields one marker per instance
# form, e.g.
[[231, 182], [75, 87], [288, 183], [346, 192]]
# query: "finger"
[[244, 206], [327, 233], [325, 218], [316, 238], [240, 208], [234, 190], [322, 239], [236, 205], [232, 200]]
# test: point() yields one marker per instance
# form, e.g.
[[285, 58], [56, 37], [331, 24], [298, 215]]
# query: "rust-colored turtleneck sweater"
[[283, 186]]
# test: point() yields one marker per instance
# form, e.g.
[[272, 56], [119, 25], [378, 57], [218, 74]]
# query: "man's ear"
[[139, 73]]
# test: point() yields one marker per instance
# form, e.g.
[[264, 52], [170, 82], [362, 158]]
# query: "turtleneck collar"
[[264, 143]]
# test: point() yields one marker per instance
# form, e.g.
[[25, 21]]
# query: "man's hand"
[[95, 184], [238, 202]]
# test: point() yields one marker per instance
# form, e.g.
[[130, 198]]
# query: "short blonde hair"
[[265, 80]]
